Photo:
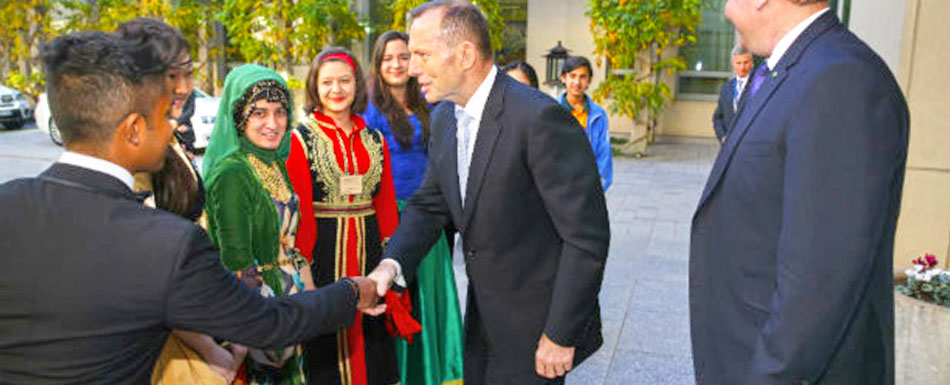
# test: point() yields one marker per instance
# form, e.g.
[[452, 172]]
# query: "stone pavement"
[[644, 301]]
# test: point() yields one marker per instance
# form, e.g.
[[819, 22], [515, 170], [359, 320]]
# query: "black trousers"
[[479, 363]]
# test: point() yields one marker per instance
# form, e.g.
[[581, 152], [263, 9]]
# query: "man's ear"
[[467, 54], [131, 130], [759, 4]]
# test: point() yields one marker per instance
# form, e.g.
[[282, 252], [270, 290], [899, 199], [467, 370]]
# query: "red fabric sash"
[[398, 316]]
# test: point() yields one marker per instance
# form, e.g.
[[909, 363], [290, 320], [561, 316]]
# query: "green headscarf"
[[224, 138]]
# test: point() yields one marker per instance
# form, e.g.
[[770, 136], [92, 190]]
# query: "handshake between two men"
[[367, 296]]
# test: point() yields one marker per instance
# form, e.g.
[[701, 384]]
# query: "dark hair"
[[174, 187], [162, 38], [575, 62], [95, 80], [388, 105], [460, 20], [525, 68], [313, 97]]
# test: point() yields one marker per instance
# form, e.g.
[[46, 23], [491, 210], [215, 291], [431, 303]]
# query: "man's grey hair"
[[460, 21], [739, 50]]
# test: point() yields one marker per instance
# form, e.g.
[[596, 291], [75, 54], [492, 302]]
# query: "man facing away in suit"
[[791, 247], [732, 92], [94, 281], [515, 174]]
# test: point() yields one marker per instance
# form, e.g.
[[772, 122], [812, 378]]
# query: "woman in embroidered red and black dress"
[[341, 171]]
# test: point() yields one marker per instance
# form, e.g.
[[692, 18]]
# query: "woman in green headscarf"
[[252, 209]]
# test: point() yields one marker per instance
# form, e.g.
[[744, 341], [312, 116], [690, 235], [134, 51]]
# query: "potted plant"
[[922, 324]]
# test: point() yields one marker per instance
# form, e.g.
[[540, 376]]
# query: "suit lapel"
[[750, 108], [488, 130]]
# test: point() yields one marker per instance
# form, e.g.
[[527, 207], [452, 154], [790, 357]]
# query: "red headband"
[[340, 56]]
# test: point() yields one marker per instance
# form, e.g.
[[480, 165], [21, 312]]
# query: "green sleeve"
[[229, 207]]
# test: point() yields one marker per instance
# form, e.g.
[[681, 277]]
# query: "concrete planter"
[[921, 342]]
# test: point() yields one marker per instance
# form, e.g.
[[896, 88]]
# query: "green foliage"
[[936, 291], [284, 33], [642, 37], [31, 84], [279, 33], [106, 15], [24, 25], [490, 8]]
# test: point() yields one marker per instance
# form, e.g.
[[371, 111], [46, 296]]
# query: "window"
[[708, 62]]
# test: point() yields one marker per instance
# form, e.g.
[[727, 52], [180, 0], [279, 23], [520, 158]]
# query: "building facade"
[[910, 35]]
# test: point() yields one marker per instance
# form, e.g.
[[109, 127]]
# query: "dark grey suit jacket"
[[93, 281], [792, 242], [534, 227], [722, 117]]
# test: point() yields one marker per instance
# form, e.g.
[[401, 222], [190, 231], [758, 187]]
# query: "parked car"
[[15, 108], [44, 120], [206, 108]]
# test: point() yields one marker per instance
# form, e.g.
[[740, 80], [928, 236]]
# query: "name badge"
[[351, 184]]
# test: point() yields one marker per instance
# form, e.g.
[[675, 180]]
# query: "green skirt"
[[435, 355]]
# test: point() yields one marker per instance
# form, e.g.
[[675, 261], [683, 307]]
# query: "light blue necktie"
[[736, 94], [464, 121], [462, 125]]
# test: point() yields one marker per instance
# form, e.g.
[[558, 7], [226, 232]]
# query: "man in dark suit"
[[514, 172], [732, 92], [792, 242], [92, 280]]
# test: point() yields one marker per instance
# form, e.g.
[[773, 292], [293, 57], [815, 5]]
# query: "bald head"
[[460, 21], [762, 23]]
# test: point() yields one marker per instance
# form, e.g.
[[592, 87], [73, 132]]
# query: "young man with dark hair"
[[93, 281], [576, 75]]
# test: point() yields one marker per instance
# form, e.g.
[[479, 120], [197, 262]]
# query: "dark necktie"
[[758, 78]]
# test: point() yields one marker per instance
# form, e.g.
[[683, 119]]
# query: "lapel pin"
[[774, 74]]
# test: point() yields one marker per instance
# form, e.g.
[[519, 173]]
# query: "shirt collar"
[[786, 41], [358, 122], [568, 105], [97, 164], [476, 104]]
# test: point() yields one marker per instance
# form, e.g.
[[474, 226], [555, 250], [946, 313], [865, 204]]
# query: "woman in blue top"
[[398, 110]]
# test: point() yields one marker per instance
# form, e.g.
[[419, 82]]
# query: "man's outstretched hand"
[[383, 275]]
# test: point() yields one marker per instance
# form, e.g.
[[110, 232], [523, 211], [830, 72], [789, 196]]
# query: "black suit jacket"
[[93, 281], [534, 225], [792, 243]]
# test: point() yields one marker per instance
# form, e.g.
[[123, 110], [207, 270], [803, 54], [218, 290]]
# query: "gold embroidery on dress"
[[271, 178], [328, 172], [374, 175]]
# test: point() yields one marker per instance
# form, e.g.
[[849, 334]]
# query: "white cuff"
[[399, 279]]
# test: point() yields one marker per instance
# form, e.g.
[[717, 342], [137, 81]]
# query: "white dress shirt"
[[97, 164], [474, 108], [741, 83], [786, 41]]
